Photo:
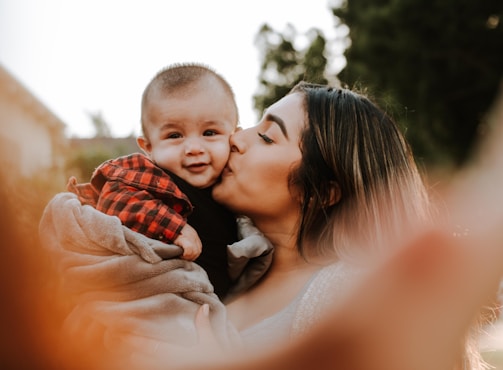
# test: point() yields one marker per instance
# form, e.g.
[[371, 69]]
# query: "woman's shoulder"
[[324, 290]]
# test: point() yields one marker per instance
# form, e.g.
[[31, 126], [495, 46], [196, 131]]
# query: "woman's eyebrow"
[[278, 121]]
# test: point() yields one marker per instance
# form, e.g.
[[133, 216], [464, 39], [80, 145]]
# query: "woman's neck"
[[283, 236], [281, 232]]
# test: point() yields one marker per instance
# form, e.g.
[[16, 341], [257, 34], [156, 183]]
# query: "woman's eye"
[[266, 138]]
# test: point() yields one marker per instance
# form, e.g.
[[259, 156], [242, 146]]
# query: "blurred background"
[[72, 74]]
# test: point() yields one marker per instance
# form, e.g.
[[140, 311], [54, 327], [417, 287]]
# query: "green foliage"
[[439, 61], [87, 154], [83, 162], [101, 126], [284, 64]]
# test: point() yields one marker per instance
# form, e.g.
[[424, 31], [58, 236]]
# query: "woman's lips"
[[226, 171]]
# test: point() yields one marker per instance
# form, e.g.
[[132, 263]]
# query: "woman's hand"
[[204, 330], [148, 353]]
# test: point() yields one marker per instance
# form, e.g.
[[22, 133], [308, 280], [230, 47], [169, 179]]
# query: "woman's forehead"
[[290, 109]]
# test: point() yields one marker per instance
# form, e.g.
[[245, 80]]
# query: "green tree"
[[101, 126], [284, 65], [83, 162], [441, 62], [87, 154]]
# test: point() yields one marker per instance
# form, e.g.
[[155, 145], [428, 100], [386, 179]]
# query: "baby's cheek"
[[221, 154]]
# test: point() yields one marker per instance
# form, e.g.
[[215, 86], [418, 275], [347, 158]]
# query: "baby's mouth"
[[197, 167]]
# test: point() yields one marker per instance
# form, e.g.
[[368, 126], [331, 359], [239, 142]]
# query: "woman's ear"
[[144, 144], [335, 194]]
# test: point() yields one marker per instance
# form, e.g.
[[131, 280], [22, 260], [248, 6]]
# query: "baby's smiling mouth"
[[197, 167]]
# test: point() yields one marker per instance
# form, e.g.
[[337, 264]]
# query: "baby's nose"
[[193, 146]]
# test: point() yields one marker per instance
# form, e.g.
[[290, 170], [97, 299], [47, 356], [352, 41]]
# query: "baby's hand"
[[189, 241]]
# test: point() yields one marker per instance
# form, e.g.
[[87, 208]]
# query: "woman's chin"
[[219, 191]]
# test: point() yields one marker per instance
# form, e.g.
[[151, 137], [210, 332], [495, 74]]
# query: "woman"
[[337, 183], [412, 310], [327, 177]]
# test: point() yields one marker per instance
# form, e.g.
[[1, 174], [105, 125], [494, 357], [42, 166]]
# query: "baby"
[[188, 113]]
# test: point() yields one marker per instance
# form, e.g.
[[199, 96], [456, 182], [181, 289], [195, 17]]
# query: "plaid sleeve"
[[141, 211], [86, 192]]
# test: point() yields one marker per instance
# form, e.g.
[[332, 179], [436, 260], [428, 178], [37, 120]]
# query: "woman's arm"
[[410, 313]]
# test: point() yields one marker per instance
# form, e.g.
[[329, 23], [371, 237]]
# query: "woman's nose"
[[237, 141]]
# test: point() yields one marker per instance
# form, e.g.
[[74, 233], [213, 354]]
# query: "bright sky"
[[98, 55]]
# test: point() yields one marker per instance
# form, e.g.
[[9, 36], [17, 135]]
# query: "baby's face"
[[189, 133]]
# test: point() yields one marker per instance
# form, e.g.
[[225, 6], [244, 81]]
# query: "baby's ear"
[[144, 144]]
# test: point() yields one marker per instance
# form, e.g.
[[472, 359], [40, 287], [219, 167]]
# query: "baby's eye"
[[174, 135], [266, 138], [210, 133]]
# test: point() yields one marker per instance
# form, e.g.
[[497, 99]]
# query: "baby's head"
[[188, 113]]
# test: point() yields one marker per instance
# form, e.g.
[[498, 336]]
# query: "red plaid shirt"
[[141, 194]]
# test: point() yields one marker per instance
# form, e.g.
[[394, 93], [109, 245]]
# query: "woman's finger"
[[203, 327]]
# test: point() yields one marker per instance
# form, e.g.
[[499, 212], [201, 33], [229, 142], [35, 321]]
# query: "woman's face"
[[255, 181]]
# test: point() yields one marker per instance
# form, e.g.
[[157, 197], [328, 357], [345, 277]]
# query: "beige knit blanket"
[[122, 283]]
